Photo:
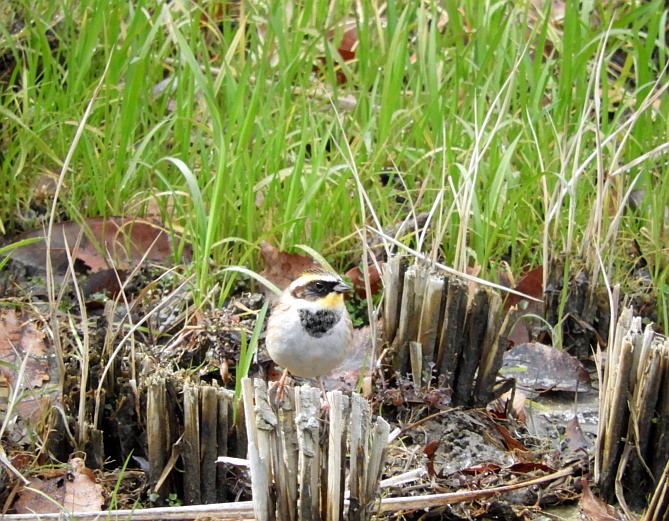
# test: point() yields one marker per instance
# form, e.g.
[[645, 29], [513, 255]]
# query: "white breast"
[[303, 355]]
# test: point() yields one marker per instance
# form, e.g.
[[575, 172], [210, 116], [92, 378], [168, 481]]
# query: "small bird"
[[309, 331]]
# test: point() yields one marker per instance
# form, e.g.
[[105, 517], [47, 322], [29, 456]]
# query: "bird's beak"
[[342, 287]]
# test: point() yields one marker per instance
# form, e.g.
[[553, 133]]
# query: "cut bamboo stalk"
[[406, 331], [641, 421], [224, 398], [608, 389], [268, 450], [157, 431], [336, 449], [416, 357], [190, 453], [492, 352], [618, 416], [209, 443], [288, 447], [428, 330], [377, 454], [360, 426], [631, 451], [452, 331], [321, 490], [660, 434], [393, 280], [658, 508], [470, 354], [308, 406], [260, 469]]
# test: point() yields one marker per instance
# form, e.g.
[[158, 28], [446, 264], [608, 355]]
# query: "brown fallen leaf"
[[577, 443], [97, 244], [525, 467], [358, 280], [531, 283], [512, 405], [20, 339], [75, 489], [510, 442], [429, 451], [481, 468], [282, 268], [594, 509], [346, 49]]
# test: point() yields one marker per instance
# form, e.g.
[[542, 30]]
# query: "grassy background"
[[521, 130]]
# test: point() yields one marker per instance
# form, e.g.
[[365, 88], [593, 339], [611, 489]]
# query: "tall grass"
[[504, 121]]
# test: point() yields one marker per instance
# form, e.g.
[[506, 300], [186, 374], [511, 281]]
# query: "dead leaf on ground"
[[531, 284], [429, 451], [358, 280], [577, 443], [544, 368], [594, 509], [21, 341], [525, 467], [282, 268], [512, 405], [97, 244], [510, 442], [75, 489], [346, 49]]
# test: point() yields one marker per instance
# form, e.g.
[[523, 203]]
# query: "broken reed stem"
[[307, 422], [408, 326], [157, 430], [432, 312], [225, 403], [260, 468], [191, 446], [631, 451], [359, 450], [205, 437], [447, 331], [658, 508], [292, 431], [416, 357], [336, 451], [209, 444], [393, 277], [246, 510]]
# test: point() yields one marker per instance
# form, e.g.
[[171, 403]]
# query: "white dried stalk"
[[308, 406], [428, 330], [260, 477]]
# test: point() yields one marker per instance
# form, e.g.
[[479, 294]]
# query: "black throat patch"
[[317, 323]]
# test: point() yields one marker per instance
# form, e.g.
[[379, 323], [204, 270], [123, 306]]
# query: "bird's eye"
[[319, 284]]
